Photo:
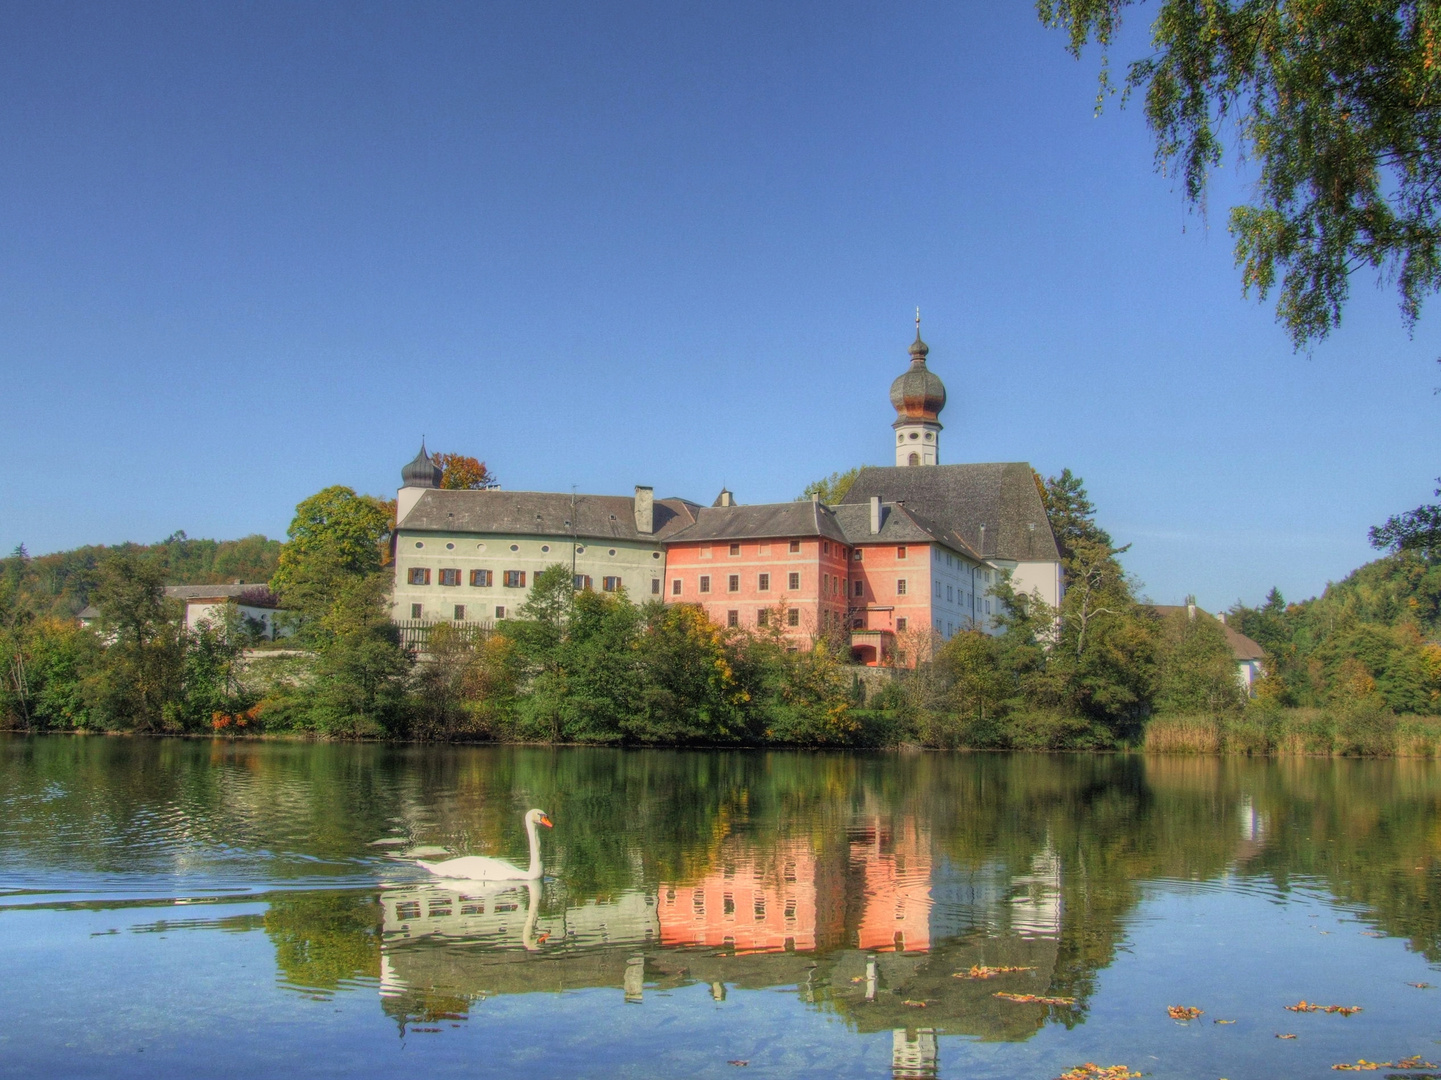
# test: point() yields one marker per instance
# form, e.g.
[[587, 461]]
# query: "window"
[[763, 583], [705, 583], [514, 547], [860, 588], [763, 548], [449, 547], [515, 579], [582, 582], [948, 594], [901, 625], [482, 579], [610, 584], [655, 586], [856, 555], [914, 459], [612, 552], [420, 543], [763, 617], [655, 554], [900, 551], [735, 549], [826, 547], [415, 611], [793, 617], [938, 590], [499, 611], [544, 547], [988, 607], [460, 613], [418, 576], [900, 586], [733, 618], [675, 587], [450, 577], [795, 546], [793, 581]]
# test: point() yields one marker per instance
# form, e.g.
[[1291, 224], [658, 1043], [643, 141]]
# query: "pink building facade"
[[877, 574]]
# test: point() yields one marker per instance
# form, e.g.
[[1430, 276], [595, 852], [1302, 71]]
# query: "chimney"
[[982, 552], [1191, 608], [644, 510], [1222, 616], [875, 514]]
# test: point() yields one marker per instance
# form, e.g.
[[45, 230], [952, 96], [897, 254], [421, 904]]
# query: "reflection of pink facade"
[[751, 904], [897, 873]]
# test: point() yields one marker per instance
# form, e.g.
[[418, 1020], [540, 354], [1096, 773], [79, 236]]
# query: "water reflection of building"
[[894, 864], [1036, 901], [751, 903], [861, 927], [914, 1054]]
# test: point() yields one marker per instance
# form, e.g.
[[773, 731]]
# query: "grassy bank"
[[1361, 731]]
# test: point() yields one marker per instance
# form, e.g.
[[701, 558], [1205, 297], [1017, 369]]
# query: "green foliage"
[[831, 489], [1195, 669], [1334, 102], [1416, 530], [336, 536], [62, 584], [1372, 633]]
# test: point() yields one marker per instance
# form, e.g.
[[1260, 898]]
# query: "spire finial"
[[918, 322]]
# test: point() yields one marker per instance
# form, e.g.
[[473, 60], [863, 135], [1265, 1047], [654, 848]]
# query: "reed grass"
[[1362, 730]]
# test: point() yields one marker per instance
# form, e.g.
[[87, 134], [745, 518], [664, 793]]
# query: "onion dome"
[[421, 472], [918, 394]]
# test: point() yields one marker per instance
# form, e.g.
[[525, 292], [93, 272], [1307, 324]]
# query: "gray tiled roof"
[[210, 592], [962, 498], [543, 513], [768, 520], [899, 525]]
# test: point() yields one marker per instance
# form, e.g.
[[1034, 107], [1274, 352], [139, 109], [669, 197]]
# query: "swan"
[[481, 868]]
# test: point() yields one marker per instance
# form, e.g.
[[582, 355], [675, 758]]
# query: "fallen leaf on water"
[[915, 1004], [1288, 1035], [1371, 933], [1091, 1071], [1362, 1065], [1223, 1021], [981, 971], [1182, 1012], [858, 978], [1420, 986], [1309, 1007], [1032, 999], [742, 1064]]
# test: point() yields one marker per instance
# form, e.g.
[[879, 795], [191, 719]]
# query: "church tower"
[[918, 396]]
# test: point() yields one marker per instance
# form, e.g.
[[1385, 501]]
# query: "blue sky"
[[250, 250]]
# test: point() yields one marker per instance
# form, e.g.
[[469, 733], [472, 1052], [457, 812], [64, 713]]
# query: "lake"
[[190, 908]]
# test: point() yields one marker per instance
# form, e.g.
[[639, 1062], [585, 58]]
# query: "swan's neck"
[[534, 871]]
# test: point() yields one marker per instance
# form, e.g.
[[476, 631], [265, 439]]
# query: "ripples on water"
[[808, 911]]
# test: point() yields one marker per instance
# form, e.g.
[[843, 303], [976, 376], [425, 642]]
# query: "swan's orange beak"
[[544, 820]]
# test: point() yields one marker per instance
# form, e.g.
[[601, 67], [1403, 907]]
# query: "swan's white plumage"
[[483, 868]]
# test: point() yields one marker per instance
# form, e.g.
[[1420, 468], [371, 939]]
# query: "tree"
[[1416, 530], [1070, 512], [336, 535], [1195, 672], [140, 683], [831, 489], [461, 473], [1335, 100]]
